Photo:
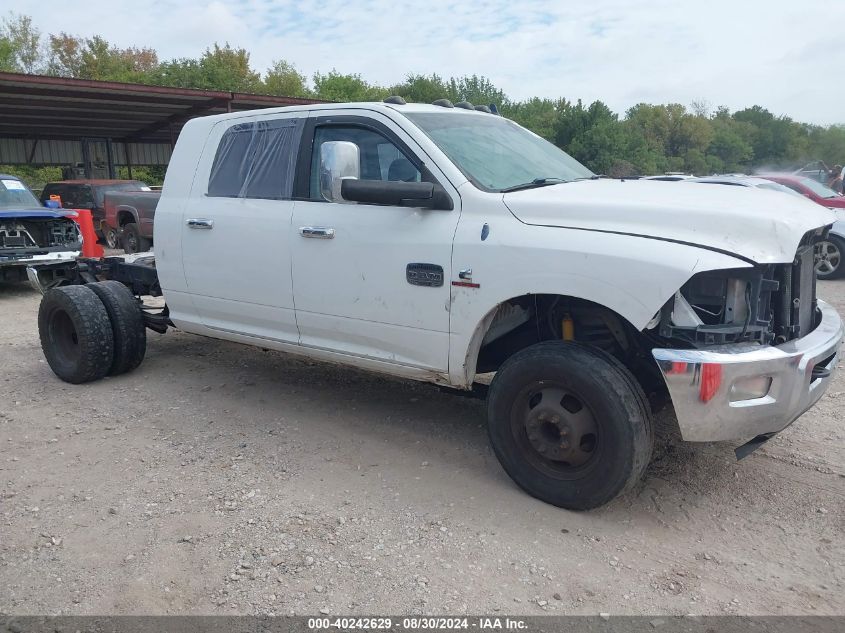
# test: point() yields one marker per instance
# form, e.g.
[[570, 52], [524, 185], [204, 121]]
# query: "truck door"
[[236, 227], [372, 280]]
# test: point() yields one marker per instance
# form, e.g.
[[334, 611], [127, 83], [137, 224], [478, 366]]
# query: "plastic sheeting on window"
[[256, 160]]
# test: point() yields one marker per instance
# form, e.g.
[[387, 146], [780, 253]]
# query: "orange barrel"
[[90, 248]]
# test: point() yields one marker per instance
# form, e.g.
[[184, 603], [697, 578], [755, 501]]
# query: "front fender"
[[632, 276]]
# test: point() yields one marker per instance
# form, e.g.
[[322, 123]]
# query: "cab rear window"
[[256, 160]]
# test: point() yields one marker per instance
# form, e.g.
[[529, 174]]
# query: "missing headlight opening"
[[768, 304], [42, 235]]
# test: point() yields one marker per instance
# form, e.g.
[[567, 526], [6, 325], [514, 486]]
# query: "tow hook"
[[750, 446]]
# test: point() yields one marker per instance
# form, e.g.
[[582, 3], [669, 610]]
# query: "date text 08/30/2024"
[[419, 623]]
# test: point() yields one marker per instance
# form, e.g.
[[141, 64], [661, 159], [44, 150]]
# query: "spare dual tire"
[[91, 331]]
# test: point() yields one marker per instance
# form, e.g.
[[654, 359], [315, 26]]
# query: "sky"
[[788, 56]]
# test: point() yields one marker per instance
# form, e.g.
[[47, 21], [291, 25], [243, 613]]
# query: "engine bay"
[[766, 304], [35, 236]]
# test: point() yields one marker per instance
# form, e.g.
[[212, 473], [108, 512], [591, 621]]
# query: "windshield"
[[819, 189], [102, 190], [774, 186], [15, 195], [495, 153]]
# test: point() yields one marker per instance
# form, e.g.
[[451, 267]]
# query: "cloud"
[[785, 56]]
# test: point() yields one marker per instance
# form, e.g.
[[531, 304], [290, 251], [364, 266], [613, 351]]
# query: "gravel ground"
[[221, 479]]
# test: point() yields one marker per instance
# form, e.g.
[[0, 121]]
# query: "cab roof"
[[92, 181], [373, 106]]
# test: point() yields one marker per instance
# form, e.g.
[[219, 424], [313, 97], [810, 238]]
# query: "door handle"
[[199, 223], [319, 232]]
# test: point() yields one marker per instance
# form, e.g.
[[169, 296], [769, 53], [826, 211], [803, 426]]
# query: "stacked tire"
[[91, 331]]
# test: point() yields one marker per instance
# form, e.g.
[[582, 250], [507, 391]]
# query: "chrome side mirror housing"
[[339, 161]]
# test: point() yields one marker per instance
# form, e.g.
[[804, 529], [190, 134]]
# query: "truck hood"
[[40, 212], [755, 224]]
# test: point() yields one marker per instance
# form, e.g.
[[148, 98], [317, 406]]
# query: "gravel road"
[[221, 479]]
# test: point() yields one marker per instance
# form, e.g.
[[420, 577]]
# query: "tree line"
[[646, 139]]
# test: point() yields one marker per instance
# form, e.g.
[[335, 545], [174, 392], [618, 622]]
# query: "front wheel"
[[569, 424], [829, 255], [132, 240]]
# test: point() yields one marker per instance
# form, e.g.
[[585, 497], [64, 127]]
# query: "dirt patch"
[[222, 479]]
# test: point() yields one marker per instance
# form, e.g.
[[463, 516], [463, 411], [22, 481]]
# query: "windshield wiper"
[[593, 177], [537, 182]]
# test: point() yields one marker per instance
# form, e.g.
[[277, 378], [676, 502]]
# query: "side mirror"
[[339, 161], [394, 193]]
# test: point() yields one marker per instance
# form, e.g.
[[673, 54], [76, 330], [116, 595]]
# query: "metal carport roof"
[[37, 106]]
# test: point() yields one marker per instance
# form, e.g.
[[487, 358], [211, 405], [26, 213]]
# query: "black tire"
[[132, 241], [111, 236], [829, 258], [127, 323], [76, 335], [590, 426]]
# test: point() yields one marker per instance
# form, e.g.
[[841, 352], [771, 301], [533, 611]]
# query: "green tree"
[[334, 86], [7, 55], [227, 68], [20, 45], [177, 73], [477, 90], [538, 115], [827, 144], [651, 124], [687, 131], [592, 135], [95, 58], [731, 149], [65, 55], [283, 79], [423, 89], [219, 68]]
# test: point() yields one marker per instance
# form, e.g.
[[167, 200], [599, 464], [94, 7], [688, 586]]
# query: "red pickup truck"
[[129, 219], [89, 194]]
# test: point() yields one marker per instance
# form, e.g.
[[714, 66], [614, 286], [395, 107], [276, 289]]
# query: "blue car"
[[31, 233]]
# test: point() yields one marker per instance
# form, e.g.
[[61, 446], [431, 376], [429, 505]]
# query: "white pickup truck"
[[438, 243]]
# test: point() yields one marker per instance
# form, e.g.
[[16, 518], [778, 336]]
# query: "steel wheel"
[[828, 258], [131, 243], [555, 430], [112, 237], [62, 332], [569, 424]]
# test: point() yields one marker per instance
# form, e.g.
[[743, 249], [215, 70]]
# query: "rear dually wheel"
[[76, 334]]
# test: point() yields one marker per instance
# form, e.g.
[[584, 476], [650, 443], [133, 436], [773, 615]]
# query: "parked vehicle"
[[809, 188], [738, 180], [89, 194], [129, 219], [438, 243], [29, 233], [817, 170], [830, 252], [672, 176]]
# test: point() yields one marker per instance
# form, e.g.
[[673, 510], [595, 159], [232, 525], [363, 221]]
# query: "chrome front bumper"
[[709, 387]]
